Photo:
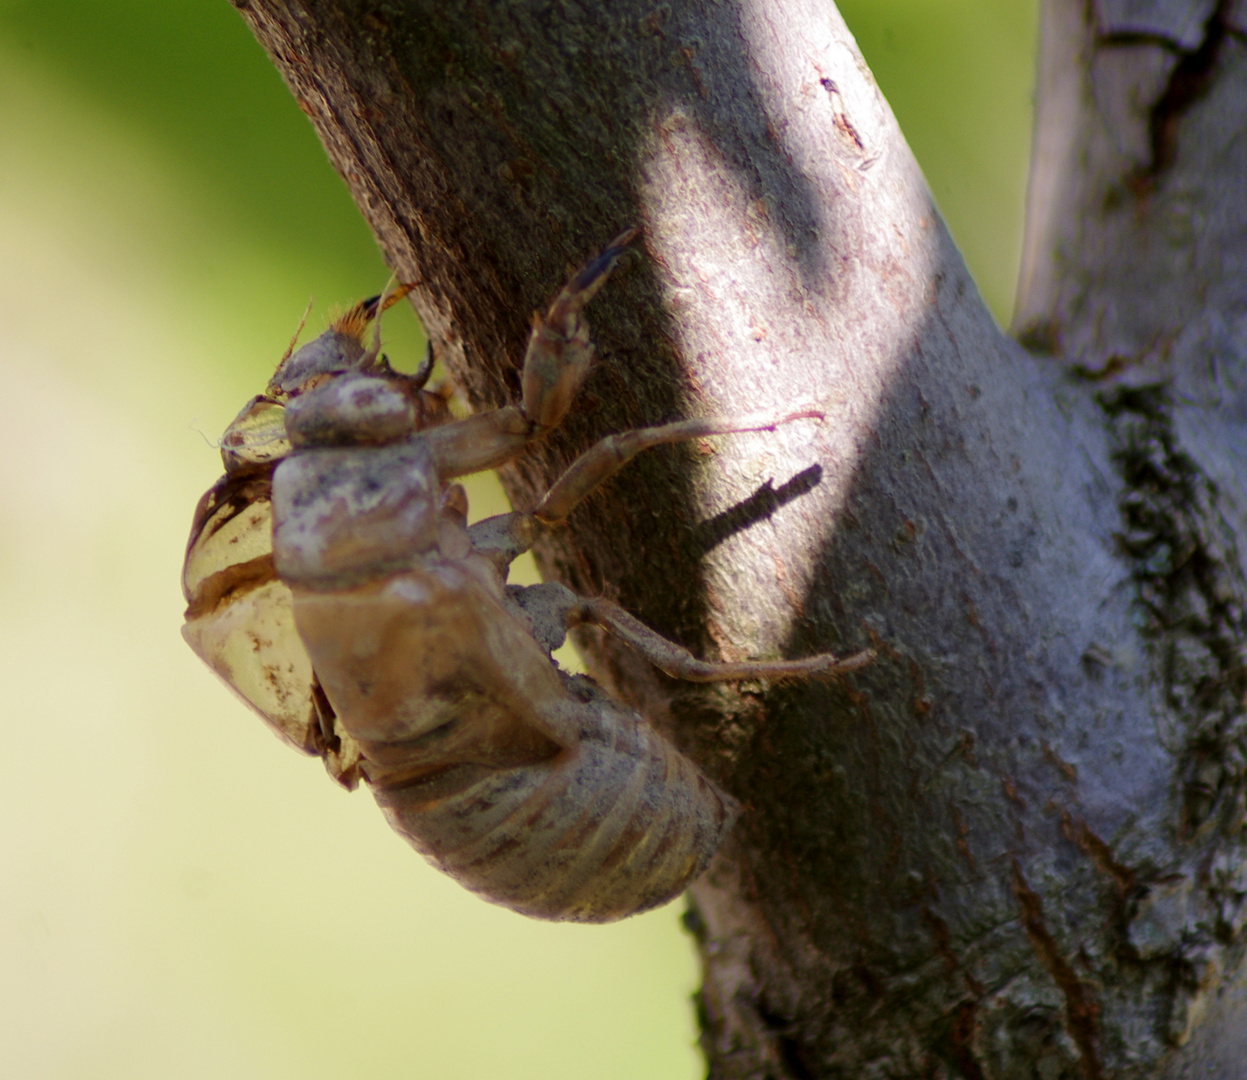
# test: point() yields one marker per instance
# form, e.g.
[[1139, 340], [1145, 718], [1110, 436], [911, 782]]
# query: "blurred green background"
[[180, 896]]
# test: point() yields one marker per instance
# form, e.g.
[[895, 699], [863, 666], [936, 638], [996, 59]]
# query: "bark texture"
[[1013, 846]]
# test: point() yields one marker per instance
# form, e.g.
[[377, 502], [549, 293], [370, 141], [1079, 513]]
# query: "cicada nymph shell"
[[334, 583]]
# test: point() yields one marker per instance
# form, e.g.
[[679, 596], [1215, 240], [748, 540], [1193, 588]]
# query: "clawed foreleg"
[[559, 351], [556, 362]]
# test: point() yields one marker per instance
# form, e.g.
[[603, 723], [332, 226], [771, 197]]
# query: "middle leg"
[[605, 458], [508, 536]]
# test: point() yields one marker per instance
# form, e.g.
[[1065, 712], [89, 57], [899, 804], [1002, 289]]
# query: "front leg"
[[559, 350], [555, 364]]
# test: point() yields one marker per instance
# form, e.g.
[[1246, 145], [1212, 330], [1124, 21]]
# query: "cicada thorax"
[[239, 617]]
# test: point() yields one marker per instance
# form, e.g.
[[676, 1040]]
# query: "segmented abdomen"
[[615, 825]]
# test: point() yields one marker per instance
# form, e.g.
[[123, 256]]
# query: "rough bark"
[[1013, 846]]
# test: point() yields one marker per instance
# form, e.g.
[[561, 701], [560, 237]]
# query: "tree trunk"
[[1013, 846]]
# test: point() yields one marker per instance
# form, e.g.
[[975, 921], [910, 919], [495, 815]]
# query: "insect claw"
[[422, 373], [830, 666], [593, 274], [355, 321], [369, 306], [769, 421], [852, 663], [804, 414], [559, 351], [585, 285]]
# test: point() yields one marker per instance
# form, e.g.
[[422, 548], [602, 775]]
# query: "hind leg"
[[552, 608], [679, 663]]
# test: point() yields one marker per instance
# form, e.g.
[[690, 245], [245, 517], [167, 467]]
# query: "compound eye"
[[348, 411]]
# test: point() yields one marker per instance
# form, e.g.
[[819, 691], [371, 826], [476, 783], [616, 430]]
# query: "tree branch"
[[928, 878]]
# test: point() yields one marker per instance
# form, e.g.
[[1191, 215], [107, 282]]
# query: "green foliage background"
[[179, 895]]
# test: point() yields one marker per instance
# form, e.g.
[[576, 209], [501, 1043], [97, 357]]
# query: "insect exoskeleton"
[[334, 582]]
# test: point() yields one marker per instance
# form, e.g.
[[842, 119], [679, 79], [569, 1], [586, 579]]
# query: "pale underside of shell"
[[240, 621]]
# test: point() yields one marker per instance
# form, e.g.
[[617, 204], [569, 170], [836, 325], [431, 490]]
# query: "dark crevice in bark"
[[692, 921], [1191, 593], [790, 1051], [942, 939], [1081, 1009], [786, 1054], [1191, 598], [1188, 83], [1040, 336], [1130, 37], [1100, 854], [964, 1027]]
